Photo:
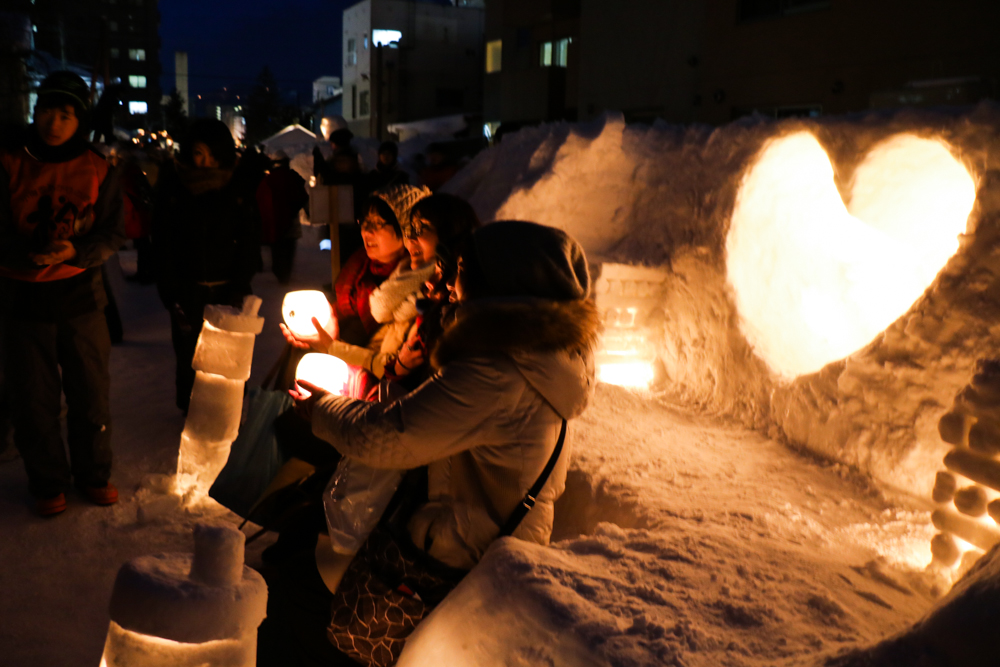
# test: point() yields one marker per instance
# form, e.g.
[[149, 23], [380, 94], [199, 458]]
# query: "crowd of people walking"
[[470, 346]]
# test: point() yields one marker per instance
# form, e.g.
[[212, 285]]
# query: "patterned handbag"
[[391, 585]]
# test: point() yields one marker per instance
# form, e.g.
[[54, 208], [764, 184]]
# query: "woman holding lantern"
[[514, 364], [439, 226]]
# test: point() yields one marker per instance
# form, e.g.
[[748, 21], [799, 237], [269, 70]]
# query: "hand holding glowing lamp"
[[299, 310]]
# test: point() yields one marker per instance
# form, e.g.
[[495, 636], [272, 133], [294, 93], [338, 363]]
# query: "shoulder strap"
[[528, 501]]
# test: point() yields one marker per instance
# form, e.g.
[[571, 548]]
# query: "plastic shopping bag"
[[355, 500]]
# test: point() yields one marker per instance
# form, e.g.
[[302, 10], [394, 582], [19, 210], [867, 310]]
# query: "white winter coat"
[[485, 424]]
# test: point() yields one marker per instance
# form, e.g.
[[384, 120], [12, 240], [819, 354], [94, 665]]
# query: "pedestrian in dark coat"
[[280, 197], [61, 217], [206, 235], [387, 172]]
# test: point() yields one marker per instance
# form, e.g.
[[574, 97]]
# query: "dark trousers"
[[282, 258], [35, 352], [294, 634], [185, 327]]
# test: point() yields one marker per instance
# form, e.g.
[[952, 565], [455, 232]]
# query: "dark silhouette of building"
[[118, 40], [716, 60]]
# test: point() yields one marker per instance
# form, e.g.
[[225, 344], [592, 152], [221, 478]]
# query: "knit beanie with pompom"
[[401, 199]]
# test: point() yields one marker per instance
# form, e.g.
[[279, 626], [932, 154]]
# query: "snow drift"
[[919, 291]]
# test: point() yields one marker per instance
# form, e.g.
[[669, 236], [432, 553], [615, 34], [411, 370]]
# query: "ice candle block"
[[222, 361], [187, 610]]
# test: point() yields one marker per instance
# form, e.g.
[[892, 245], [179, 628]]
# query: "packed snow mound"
[[667, 196], [959, 630]]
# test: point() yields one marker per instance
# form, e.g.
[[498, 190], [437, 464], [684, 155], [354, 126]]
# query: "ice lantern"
[[222, 361], [628, 298], [325, 371], [298, 309], [187, 610]]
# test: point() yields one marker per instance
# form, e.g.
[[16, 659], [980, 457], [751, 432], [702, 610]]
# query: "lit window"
[[546, 54], [137, 81], [135, 108], [562, 52], [115, 53], [494, 50], [137, 54], [352, 52], [555, 53], [386, 37], [363, 106]]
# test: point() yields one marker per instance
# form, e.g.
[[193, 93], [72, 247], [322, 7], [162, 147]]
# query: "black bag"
[[391, 585]]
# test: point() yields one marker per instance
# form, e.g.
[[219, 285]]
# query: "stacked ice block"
[[222, 361], [187, 610]]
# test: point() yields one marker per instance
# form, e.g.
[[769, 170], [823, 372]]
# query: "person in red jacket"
[[61, 217]]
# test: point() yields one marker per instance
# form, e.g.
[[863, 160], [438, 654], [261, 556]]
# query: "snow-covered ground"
[[680, 537], [690, 532]]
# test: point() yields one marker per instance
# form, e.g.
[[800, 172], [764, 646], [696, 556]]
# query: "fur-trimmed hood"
[[551, 342]]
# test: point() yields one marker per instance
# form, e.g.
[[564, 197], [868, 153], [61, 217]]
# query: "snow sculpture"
[[298, 309], [815, 279], [325, 371], [222, 361], [187, 610], [968, 491], [629, 298]]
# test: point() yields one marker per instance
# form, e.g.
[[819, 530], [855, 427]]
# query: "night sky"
[[229, 41]]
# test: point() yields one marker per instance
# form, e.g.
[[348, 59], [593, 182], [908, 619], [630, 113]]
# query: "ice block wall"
[[222, 361], [188, 610], [664, 197]]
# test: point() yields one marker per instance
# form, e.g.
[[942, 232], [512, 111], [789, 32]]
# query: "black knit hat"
[[517, 258], [64, 87]]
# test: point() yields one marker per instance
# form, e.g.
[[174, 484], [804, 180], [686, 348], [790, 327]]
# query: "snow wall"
[[664, 196]]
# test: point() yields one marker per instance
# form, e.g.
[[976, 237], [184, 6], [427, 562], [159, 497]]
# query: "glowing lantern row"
[[815, 280], [299, 308], [967, 492]]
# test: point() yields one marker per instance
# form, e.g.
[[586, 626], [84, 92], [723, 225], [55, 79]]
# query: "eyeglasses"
[[372, 224], [418, 227]]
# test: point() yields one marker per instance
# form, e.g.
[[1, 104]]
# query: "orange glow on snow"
[[815, 279]]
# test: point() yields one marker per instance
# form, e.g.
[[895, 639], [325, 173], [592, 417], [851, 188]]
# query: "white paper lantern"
[[298, 309], [324, 371]]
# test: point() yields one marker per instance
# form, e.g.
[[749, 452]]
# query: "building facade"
[[117, 40], [405, 60], [715, 60]]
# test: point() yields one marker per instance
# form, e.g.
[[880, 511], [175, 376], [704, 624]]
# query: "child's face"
[[56, 125]]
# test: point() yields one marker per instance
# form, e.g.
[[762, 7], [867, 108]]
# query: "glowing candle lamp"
[[298, 309], [324, 371]]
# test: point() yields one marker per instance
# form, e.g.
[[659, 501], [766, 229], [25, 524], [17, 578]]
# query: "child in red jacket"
[[61, 217]]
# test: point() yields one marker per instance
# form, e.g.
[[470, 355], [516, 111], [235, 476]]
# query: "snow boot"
[[101, 495], [47, 507]]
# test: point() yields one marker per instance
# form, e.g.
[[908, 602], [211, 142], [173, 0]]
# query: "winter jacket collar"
[[38, 149], [201, 180], [551, 342]]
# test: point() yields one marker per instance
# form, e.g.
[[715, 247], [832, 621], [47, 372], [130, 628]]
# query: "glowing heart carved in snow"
[[816, 280]]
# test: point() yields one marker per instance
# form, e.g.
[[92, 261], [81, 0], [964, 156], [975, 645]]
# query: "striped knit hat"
[[401, 199]]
